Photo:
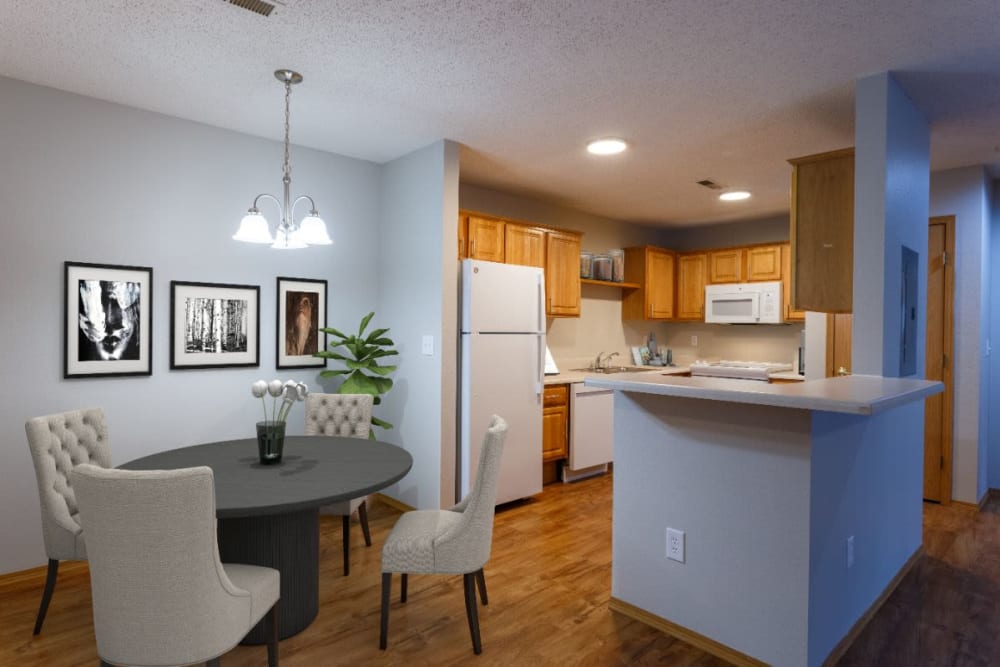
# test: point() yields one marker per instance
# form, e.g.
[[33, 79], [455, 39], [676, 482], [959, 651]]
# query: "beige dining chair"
[[350, 416], [451, 541], [59, 443], [160, 594]]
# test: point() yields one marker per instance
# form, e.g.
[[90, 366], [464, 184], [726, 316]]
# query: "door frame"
[[948, 347]]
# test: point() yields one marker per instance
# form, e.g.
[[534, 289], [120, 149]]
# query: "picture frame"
[[300, 312], [214, 325], [108, 320]]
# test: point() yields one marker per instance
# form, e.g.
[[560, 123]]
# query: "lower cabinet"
[[555, 423]]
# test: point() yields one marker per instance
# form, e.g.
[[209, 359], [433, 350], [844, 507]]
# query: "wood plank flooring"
[[549, 582]]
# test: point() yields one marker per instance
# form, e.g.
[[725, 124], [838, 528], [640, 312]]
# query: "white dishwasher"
[[591, 431]]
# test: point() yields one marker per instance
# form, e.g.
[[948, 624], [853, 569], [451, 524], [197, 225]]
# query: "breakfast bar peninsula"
[[800, 506]]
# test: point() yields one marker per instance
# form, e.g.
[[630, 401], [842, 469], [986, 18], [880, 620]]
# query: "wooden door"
[[524, 245], [660, 284], [725, 266], [691, 276], [486, 239], [838, 344], [764, 263], [562, 274], [938, 408]]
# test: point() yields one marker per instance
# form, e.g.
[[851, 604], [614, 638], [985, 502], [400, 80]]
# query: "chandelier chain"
[[288, 97]]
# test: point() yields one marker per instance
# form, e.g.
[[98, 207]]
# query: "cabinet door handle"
[[548, 307], [472, 249]]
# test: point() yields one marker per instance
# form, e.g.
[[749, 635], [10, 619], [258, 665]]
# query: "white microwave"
[[743, 303]]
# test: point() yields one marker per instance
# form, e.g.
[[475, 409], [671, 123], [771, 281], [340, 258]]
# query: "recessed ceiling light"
[[734, 195], [608, 146]]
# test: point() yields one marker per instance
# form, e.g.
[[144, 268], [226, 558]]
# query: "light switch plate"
[[427, 346]]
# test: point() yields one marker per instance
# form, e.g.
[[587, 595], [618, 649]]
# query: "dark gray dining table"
[[269, 514]]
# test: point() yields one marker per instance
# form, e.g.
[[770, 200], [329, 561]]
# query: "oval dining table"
[[269, 514]]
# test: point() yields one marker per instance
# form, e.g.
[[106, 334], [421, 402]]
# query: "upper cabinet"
[[562, 274], [653, 270], [524, 245], [822, 232], [556, 251], [790, 314], [691, 280], [486, 238], [725, 266], [763, 263]]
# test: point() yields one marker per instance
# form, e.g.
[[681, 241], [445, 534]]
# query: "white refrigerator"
[[501, 370]]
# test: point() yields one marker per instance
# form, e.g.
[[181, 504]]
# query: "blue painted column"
[[891, 195]]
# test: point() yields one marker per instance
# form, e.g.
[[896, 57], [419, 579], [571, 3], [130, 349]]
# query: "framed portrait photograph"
[[108, 320], [301, 312], [213, 325]]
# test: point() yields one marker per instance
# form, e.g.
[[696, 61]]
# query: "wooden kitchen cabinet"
[[789, 314], [653, 270], [555, 422], [822, 232], [691, 280], [562, 274], [486, 239], [524, 245], [763, 263], [725, 266]]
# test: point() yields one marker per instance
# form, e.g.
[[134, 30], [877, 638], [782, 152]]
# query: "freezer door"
[[502, 297], [500, 375]]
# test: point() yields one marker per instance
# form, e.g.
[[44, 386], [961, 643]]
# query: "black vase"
[[270, 441]]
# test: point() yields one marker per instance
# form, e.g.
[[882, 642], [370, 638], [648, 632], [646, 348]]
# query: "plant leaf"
[[378, 422], [333, 373], [382, 384], [330, 355], [381, 341], [331, 330], [357, 383], [375, 334], [365, 321], [381, 370]]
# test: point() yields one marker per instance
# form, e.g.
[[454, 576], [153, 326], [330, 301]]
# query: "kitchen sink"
[[611, 370]]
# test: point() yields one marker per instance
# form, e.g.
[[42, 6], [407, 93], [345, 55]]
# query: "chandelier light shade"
[[289, 234]]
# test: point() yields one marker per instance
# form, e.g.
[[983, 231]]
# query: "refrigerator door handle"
[[541, 365], [541, 303]]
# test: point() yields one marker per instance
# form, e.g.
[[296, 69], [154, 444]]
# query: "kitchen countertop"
[[572, 377], [788, 375], [854, 394]]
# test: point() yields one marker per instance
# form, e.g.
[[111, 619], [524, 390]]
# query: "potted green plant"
[[361, 355]]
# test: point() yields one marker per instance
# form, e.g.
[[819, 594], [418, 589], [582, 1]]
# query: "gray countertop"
[[856, 394]]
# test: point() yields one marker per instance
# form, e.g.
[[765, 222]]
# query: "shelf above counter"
[[608, 283]]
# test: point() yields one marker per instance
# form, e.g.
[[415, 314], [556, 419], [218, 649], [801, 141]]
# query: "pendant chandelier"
[[289, 234]]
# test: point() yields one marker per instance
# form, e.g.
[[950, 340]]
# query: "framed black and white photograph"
[[213, 325], [108, 313], [301, 312]]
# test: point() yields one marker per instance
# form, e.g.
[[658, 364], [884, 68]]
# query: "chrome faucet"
[[608, 358], [597, 361], [598, 365]]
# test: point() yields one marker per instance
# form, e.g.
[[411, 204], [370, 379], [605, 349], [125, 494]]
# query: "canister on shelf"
[[586, 264], [617, 265], [602, 267]]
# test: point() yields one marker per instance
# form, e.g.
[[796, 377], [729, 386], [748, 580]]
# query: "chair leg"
[[402, 594], [471, 612], [363, 516], [105, 663], [50, 586], [347, 544], [384, 621], [481, 581], [271, 632], [214, 662]]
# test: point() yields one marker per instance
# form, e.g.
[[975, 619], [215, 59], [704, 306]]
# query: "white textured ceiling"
[[726, 90]]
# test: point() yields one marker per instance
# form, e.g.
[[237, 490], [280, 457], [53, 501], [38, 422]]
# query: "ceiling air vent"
[[256, 6], [710, 184]]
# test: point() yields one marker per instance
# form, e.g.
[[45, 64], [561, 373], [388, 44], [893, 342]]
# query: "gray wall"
[[994, 359], [412, 280], [745, 232], [964, 193], [85, 180]]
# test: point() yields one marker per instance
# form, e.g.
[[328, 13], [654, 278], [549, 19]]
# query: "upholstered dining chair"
[[452, 541], [160, 594], [347, 415], [58, 443]]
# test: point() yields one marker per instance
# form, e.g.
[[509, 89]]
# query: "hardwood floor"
[[549, 582]]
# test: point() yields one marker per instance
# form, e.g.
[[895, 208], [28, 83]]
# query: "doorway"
[[938, 409]]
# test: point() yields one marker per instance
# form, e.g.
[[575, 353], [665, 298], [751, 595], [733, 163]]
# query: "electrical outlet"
[[675, 544], [694, 341], [850, 552]]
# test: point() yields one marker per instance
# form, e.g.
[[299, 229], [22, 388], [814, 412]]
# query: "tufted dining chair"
[[350, 416], [451, 541], [59, 443], [161, 596]]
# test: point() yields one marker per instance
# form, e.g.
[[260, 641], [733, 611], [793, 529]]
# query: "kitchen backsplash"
[[740, 342]]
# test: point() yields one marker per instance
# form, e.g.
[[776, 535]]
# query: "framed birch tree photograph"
[[214, 325], [301, 313]]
